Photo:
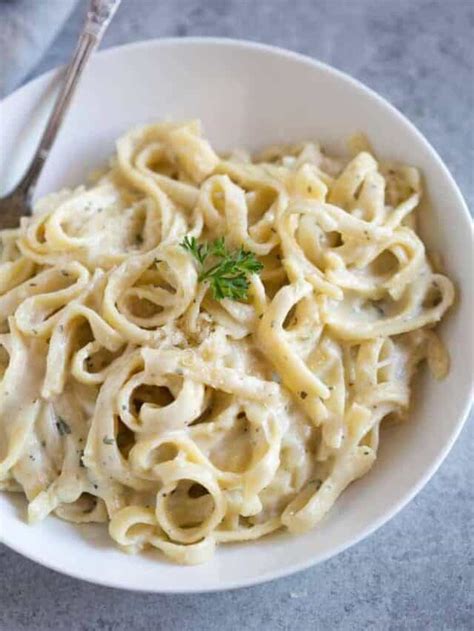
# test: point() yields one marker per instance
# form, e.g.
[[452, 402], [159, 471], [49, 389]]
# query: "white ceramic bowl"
[[248, 95]]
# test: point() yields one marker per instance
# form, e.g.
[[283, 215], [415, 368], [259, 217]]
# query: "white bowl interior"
[[247, 96]]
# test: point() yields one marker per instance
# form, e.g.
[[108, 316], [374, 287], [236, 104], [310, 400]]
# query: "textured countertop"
[[417, 571]]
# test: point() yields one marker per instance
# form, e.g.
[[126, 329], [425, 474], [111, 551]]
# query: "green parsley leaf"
[[228, 276]]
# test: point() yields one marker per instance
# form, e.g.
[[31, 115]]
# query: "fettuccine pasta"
[[130, 395]]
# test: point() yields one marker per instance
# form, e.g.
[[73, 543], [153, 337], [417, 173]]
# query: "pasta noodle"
[[130, 395]]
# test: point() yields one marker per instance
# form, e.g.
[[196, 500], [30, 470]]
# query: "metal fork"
[[18, 202]]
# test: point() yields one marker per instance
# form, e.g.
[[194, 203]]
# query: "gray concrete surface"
[[417, 571]]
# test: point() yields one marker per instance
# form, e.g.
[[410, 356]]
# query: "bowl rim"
[[461, 210]]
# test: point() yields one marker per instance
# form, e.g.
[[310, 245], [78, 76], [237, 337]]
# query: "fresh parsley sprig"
[[228, 275]]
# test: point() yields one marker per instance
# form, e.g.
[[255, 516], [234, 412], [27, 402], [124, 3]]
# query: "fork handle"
[[98, 18]]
